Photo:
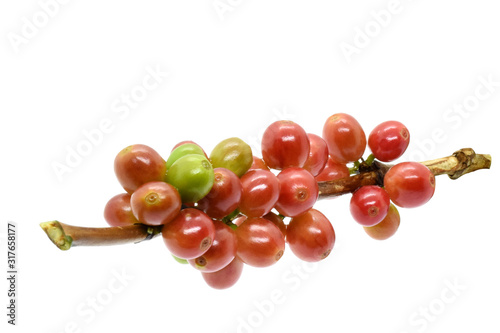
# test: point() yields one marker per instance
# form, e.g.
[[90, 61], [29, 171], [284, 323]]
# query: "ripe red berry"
[[310, 236], [118, 212], [138, 164], [260, 242], [225, 195], [345, 138], [261, 190], [285, 144], [226, 277], [369, 205], [278, 221], [222, 251], [155, 203], [318, 155], [389, 140], [190, 234], [332, 171], [298, 192], [409, 184], [184, 142], [258, 163]]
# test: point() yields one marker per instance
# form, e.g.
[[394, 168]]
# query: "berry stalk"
[[65, 236], [462, 161]]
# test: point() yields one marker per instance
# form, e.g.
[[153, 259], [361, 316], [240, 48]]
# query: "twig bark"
[[65, 236]]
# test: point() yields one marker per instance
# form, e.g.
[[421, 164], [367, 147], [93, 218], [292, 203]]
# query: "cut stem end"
[[56, 234]]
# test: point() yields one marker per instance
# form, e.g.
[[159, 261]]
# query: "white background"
[[231, 74]]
